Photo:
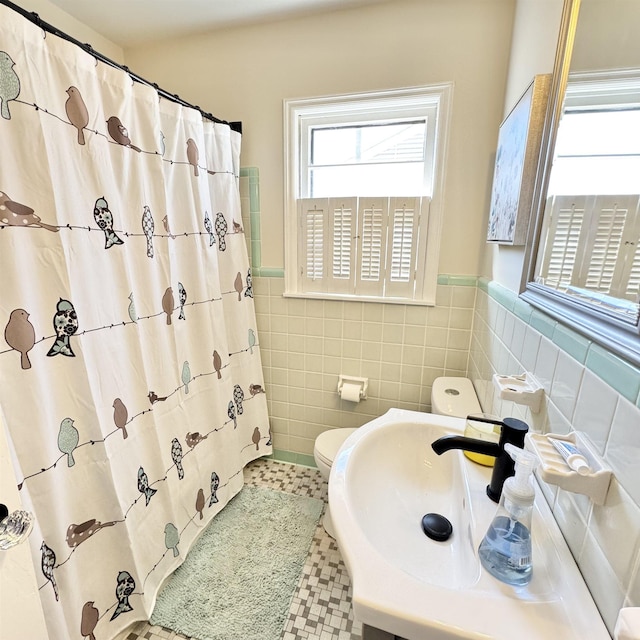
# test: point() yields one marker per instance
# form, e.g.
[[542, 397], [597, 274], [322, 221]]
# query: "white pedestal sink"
[[384, 479]]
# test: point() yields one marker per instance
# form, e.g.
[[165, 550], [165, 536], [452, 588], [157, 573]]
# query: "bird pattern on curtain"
[[132, 389]]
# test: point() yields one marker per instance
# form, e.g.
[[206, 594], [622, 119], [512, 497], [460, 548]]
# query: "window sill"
[[358, 298]]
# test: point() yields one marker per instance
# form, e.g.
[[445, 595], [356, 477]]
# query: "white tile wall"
[[401, 349], [605, 540]]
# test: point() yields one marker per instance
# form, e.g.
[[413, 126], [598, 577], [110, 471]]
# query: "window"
[[364, 191]]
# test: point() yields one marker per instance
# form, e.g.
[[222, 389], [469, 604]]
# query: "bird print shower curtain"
[[132, 390]]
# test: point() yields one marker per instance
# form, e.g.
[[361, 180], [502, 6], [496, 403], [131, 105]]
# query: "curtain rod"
[[35, 18]]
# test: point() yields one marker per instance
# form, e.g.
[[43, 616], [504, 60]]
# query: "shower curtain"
[[131, 382]]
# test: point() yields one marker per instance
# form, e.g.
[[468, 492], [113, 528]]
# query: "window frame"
[[412, 103]]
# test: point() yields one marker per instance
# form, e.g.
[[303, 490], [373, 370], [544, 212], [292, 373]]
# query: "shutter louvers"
[[632, 290], [372, 231], [361, 246], [402, 244], [404, 215], [312, 214], [342, 226], [593, 245], [608, 221], [565, 229], [626, 281]]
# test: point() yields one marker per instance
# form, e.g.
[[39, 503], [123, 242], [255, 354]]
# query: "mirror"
[[584, 262]]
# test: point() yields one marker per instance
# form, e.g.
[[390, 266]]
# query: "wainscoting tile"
[[571, 342], [623, 447], [546, 363], [569, 515], [619, 374], [594, 410], [608, 525], [603, 582], [566, 383]]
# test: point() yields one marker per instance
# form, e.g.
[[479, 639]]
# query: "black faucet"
[[513, 431]]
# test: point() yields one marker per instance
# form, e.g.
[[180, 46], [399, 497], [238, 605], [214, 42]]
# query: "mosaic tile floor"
[[321, 605]]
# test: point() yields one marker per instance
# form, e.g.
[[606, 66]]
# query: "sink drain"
[[437, 527]]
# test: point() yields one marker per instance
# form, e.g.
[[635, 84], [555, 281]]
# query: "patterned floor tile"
[[321, 605]]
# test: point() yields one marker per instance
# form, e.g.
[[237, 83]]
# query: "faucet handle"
[[513, 431]]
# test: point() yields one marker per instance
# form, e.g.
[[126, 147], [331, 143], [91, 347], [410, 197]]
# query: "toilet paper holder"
[[351, 381]]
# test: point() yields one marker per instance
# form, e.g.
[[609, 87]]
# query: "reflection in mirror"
[[586, 268], [590, 239]]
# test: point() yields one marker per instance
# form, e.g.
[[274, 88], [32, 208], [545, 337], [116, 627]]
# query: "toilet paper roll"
[[350, 392]]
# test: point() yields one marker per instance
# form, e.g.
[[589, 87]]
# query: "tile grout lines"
[[321, 604]]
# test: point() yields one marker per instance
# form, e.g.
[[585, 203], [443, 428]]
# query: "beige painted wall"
[[245, 73], [533, 48], [58, 18]]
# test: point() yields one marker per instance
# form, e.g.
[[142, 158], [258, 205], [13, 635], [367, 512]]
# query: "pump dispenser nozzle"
[[505, 551], [520, 487]]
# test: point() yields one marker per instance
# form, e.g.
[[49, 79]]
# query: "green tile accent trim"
[[573, 343], [458, 281], [253, 174], [271, 272], [523, 310], [248, 172], [543, 323], [623, 377], [294, 458], [502, 295], [616, 372], [283, 456], [306, 460]]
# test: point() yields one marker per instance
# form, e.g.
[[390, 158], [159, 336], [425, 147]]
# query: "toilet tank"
[[451, 396]]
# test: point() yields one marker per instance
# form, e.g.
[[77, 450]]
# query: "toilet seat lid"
[[329, 442]]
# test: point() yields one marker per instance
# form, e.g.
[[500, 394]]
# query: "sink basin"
[[384, 479]]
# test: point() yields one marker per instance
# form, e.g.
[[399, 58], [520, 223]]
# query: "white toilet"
[[325, 449], [449, 396], [454, 397]]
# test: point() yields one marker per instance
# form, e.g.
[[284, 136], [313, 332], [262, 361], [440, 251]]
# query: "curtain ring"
[[126, 69], [38, 20], [90, 50]]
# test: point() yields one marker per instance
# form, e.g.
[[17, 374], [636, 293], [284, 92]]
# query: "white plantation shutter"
[[565, 227], [313, 242], [607, 222], [627, 280], [342, 225], [632, 291], [372, 232], [605, 232], [362, 246], [404, 215]]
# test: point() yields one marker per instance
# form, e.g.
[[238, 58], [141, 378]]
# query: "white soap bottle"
[[505, 550]]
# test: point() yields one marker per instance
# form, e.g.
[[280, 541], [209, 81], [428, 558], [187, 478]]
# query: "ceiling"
[[128, 23]]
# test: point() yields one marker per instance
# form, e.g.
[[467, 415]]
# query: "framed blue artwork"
[[516, 165]]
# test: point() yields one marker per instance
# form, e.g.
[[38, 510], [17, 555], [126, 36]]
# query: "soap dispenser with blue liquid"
[[505, 551]]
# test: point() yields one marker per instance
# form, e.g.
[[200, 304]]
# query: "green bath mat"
[[238, 579]]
